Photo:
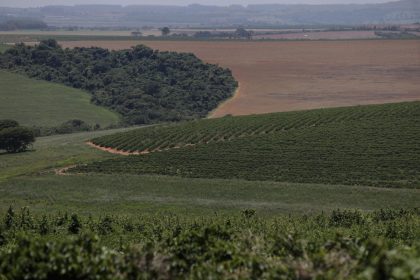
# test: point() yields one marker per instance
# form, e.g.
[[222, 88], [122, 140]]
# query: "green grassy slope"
[[100, 194], [52, 152], [32, 102], [366, 145], [3, 47]]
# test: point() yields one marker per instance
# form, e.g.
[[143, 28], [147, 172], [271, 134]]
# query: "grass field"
[[52, 152], [38, 103], [130, 195], [287, 76], [374, 145], [3, 47]]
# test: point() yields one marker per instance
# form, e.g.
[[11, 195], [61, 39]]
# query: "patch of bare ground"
[[321, 35], [297, 75], [137, 153], [63, 171]]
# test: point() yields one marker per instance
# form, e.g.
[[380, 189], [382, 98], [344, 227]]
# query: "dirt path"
[[115, 151], [63, 171]]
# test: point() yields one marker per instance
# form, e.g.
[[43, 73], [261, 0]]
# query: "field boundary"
[[236, 94], [115, 151], [135, 153]]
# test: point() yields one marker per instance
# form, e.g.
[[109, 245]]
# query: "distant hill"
[[406, 11], [8, 23]]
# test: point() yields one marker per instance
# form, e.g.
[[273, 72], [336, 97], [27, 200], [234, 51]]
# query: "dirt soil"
[[296, 75], [322, 35]]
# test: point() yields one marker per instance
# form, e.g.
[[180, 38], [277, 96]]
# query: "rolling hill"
[[374, 145], [38, 103]]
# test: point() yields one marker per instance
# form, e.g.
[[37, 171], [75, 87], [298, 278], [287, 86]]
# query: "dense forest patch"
[[366, 145], [143, 85]]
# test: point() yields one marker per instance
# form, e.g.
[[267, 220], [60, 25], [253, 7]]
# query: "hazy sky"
[[34, 3]]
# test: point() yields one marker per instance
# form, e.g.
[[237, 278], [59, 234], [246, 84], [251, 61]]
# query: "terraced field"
[[373, 145]]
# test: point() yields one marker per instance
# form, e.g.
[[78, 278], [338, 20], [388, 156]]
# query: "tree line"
[[143, 85]]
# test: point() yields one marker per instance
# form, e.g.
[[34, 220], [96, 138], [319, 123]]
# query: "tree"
[[8, 123], [16, 139], [243, 33], [165, 31]]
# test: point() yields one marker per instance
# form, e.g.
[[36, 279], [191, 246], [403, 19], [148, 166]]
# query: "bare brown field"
[[324, 35], [296, 75]]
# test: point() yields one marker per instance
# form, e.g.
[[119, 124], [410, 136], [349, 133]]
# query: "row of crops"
[[343, 244], [369, 145], [164, 137]]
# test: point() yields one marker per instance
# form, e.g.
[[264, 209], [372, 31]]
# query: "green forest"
[[143, 85]]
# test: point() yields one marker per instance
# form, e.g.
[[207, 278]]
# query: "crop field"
[[339, 245], [288, 76], [320, 35], [38, 103], [30, 180], [374, 145]]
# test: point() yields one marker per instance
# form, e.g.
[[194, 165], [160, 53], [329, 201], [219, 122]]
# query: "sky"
[[35, 3]]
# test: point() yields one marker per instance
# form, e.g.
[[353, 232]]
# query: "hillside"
[[373, 145], [38, 103]]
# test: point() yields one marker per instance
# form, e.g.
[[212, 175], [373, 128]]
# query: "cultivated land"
[[320, 35], [374, 145], [38, 103], [29, 179], [287, 76]]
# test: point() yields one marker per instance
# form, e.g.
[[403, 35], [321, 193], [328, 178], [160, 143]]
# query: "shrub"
[[346, 218], [16, 139], [75, 224], [8, 124]]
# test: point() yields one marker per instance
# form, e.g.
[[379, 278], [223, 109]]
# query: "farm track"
[[63, 171], [133, 153]]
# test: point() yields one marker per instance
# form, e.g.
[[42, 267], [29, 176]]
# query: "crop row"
[[164, 137], [343, 244], [382, 152]]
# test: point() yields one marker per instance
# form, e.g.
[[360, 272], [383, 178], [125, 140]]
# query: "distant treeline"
[[395, 12], [8, 24], [143, 85]]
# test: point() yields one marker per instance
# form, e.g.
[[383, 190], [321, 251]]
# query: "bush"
[[8, 124], [16, 139]]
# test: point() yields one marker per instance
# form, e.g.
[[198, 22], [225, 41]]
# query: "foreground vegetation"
[[340, 245], [366, 145], [45, 104], [143, 85], [3, 47]]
